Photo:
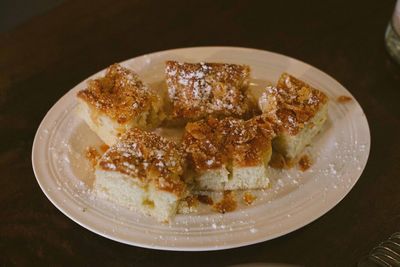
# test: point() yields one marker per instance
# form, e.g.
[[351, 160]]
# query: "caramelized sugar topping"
[[120, 94], [201, 89], [149, 157], [293, 103], [212, 143]]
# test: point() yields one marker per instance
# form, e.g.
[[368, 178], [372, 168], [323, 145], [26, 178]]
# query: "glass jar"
[[392, 35]]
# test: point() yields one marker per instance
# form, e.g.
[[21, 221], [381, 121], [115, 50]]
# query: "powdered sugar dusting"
[[143, 155], [292, 103], [120, 94], [207, 88], [209, 229]]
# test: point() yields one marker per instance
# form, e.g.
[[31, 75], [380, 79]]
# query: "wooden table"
[[45, 57]]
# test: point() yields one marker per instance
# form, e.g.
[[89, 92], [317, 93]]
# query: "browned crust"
[[293, 102], [119, 93], [201, 89], [213, 143], [149, 157]]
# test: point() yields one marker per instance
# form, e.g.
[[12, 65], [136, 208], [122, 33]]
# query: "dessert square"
[[299, 111], [143, 171], [229, 154], [198, 90], [118, 101]]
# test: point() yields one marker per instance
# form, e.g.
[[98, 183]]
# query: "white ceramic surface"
[[296, 198]]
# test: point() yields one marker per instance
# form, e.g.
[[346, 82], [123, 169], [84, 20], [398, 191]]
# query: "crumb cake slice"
[[143, 171], [198, 90], [118, 101], [299, 111], [229, 154]]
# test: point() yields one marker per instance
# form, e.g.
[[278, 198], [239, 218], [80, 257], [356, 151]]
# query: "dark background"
[[47, 47]]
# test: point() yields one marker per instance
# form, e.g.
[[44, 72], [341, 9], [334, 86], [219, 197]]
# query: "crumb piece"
[[344, 99], [188, 205], [278, 161], [305, 163], [248, 198], [205, 199], [192, 201], [227, 204], [92, 155], [104, 148]]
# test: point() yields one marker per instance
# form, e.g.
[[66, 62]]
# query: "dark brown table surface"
[[46, 56]]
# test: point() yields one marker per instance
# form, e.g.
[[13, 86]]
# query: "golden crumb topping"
[[213, 143], [120, 94], [149, 157], [202, 89], [293, 103]]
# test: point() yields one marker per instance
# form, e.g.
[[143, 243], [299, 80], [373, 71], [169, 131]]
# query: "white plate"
[[296, 199]]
